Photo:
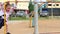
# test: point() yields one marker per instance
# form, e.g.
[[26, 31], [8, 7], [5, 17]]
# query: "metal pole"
[[52, 10], [36, 18], [4, 20]]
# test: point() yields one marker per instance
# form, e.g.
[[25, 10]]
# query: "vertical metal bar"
[[31, 20], [30, 25], [5, 19], [52, 10], [36, 18]]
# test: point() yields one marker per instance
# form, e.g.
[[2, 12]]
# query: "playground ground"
[[50, 26]]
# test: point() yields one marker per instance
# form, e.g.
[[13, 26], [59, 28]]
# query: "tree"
[[31, 7]]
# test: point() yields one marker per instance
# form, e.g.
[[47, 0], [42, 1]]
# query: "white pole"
[[36, 15], [36, 18]]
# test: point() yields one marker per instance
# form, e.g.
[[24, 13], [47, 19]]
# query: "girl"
[[7, 8], [8, 12]]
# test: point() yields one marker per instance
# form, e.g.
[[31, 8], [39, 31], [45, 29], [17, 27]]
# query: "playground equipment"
[[5, 19], [36, 15], [36, 19], [32, 20], [41, 6]]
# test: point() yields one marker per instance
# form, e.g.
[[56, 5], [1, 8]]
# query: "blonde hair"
[[6, 4]]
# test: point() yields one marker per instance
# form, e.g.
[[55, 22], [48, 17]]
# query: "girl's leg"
[[7, 15], [6, 27], [7, 31]]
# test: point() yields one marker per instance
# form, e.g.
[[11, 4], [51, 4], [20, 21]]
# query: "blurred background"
[[24, 8]]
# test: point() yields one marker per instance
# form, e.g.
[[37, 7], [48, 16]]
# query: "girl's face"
[[8, 8]]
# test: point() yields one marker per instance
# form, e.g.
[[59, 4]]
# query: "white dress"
[[7, 15], [1, 13]]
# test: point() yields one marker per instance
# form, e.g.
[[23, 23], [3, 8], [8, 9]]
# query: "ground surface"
[[50, 26]]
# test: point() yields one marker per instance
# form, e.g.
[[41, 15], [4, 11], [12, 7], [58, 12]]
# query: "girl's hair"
[[7, 4]]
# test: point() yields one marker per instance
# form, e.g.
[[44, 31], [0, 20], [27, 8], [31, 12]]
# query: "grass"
[[18, 18], [24, 18], [43, 17]]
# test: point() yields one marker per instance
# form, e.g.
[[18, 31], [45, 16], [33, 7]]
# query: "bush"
[[31, 6]]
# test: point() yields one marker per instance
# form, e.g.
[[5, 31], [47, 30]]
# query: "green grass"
[[43, 17], [24, 18], [18, 18]]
